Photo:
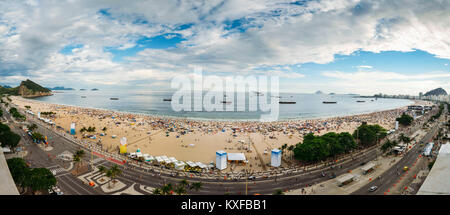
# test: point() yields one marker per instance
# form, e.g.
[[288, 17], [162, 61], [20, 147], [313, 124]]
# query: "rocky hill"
[[29, 89], [436, 92]]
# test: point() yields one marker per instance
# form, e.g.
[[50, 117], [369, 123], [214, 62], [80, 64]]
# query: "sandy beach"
[[194, 140]]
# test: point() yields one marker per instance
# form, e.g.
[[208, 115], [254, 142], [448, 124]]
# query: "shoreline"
[[414, 102]]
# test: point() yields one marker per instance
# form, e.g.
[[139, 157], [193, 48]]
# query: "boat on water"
[[287, 102], [114, 98], [360, 101], [325, 102], [83, 97], [259, 93], [226, 102], [167, 100]]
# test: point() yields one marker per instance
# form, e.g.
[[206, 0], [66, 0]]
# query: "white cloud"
[[277, 34]]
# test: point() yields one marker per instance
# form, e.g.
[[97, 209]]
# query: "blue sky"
[[344, 46]]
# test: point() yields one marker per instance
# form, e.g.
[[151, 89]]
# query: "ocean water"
[[308, 106]]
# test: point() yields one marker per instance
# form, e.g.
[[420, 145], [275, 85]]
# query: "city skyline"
[[363, 47]]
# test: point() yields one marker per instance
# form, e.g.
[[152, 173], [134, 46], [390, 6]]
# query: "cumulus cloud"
[[268, 33]]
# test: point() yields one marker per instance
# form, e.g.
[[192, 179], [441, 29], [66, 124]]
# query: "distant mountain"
[[319, 92], [29, 89], [436, 92], [82, 89], [7, 87], [61, 88]]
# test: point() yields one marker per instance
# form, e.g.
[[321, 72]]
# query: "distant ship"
[[360, 101], [329, 102], [167, 100], [226, 102], [287, 102], [114, 98], [83, 96]]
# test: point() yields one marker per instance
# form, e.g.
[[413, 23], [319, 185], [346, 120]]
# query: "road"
[[390, 177]]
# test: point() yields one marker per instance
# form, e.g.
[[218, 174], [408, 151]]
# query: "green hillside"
[[33, 86]]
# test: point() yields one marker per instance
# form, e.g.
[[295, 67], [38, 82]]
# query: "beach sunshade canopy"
[[191, 164], [236, 157], [159, 159]]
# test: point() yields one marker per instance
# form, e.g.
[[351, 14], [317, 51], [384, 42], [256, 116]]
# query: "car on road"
[[373, 188], [332, 175], [252, 177]]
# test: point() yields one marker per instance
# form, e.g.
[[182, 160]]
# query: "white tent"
[[201, 165], [236, 157], [179, 165], [191, 164], [172, 160], [159, 159]]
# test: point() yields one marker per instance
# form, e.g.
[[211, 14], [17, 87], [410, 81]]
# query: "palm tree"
[[32, 127], [184, 183], [157, 191], [78, 158], [166, 189], [278, 192], [114, 172], [196, 186], [102, 169], [291, 149], [180, 190]]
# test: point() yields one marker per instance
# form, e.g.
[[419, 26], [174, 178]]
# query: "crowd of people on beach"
[[183, 126]]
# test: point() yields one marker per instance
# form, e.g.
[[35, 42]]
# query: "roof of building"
[[7, 185], [438, 180], [236, 157]]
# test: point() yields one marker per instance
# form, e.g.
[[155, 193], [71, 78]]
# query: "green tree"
[[405, 119], [113, 172], [278, 192], [8, 138], [404, 138], [196, 186], [37, 136], [368, 135], [32, 127], [102, 169], [78, 158], [166, 189], [19, 171], [157, 191], [180, 189], [41, 179]]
